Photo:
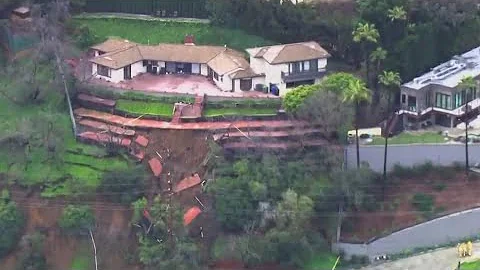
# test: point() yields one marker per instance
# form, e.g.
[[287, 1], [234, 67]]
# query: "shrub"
[[446, 173], [297, 96], [400, 171], [370, 203], [76, 219], [439, 186], [423, 169], [11, 224], [458, 166], [245, 102], [423, 202], [124, 186]]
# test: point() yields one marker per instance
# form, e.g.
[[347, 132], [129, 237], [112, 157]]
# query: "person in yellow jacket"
[[469, 248]]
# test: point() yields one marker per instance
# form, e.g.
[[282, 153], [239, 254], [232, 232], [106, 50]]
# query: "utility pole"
[[466, 136]]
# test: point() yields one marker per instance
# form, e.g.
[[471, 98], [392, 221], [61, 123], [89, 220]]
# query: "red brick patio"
[[177, 84]]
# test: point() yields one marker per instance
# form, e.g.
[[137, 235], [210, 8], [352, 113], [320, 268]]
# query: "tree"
[[469, 85], [377, 57], [292, 240], [391, 82], [337, 82], [233, 214], [297, 96], [77, 219], [11, 224], [397, 13], [125, 185], [354, 188], [356, 93], [33, 257], [294, 211], [366, 34], [327, 110], [167, 247]]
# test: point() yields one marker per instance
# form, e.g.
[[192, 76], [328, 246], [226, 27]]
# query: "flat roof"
[[22, 10], [451, 73]]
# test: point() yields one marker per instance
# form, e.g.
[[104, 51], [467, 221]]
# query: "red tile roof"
[[142, 140], [191, 214], [155, 166], [187, 183]]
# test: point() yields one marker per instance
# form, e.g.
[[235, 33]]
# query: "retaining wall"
[[448, 229]]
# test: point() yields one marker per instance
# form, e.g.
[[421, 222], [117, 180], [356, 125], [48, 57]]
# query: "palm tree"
[[391, 82], [357, 92], [397, 13], [469, 85], [366, 34], [376, 57]]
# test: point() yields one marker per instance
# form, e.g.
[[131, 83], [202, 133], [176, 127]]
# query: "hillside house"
[[278, 67], [289, 65], [116, 60], [434, 98]]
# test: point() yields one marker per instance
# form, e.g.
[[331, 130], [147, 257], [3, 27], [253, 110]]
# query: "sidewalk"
[[441, 259]]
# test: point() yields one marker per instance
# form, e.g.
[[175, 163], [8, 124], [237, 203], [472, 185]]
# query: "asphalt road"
[[409, 155]]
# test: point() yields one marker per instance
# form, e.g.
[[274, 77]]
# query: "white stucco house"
[[289, 65], [278, 67]]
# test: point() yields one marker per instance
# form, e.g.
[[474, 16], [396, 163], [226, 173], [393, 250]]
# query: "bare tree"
[[49, 24], [326, 110]]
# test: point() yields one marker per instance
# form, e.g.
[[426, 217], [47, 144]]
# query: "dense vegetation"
[[165, 245], [77, 219], [154, 32], [414, 34], [11, 223], [276, 200]]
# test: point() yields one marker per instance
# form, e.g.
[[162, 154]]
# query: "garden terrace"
[[105, 127], [188, 108], [153, 124], [261, 134], [103, 138], [83, 98]]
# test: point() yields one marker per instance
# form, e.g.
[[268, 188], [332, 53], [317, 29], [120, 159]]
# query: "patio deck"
[[177, 84]]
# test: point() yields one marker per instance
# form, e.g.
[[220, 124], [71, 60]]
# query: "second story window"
[[443, 101]]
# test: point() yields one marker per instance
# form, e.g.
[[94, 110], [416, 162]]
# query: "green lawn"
[[239, 111], [408, 138], [322, 261], [34, 165], [475, 265], [144, 107], [102, 164], [83, 259], [153, 32]]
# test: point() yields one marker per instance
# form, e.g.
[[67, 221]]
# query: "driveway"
[[441, 259]]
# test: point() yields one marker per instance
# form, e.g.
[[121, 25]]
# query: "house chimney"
[[189, 40]]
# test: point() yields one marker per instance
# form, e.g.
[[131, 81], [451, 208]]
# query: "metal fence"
[[161, 8]]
